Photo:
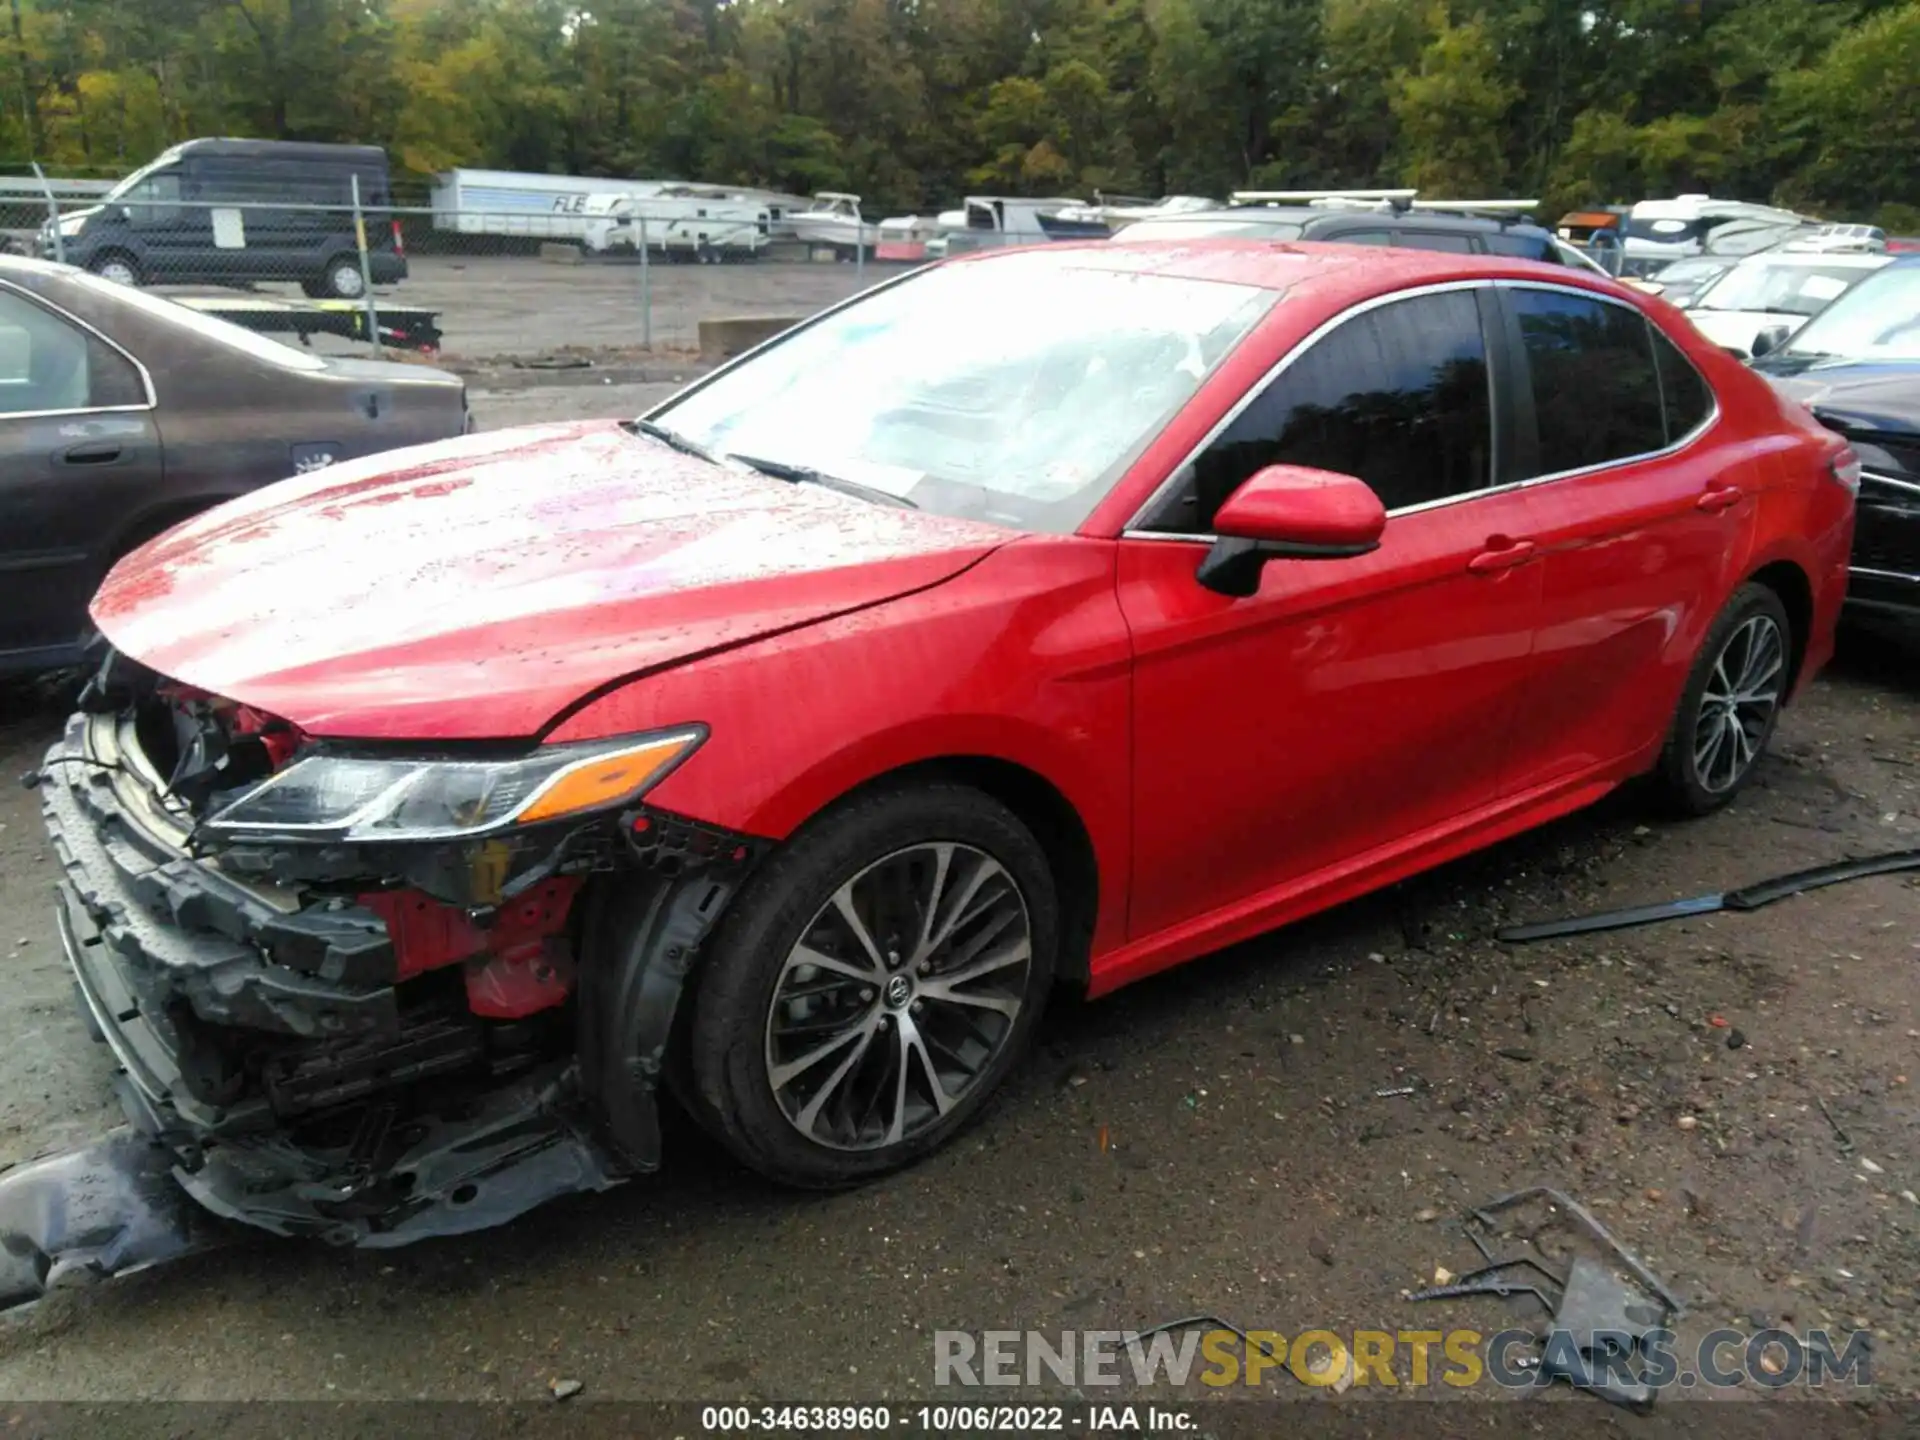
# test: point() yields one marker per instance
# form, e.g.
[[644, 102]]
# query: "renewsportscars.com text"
[[1512, 1359]]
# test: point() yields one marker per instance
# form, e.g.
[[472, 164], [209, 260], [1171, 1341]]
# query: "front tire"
[[116, 268], [1731, 703], [873, 985]]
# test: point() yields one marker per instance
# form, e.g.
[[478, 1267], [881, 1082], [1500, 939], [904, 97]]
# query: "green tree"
[[1852, 120], [1452, 111]]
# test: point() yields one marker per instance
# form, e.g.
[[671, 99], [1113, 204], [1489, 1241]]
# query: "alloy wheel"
[[1739, 703], [347, 282], [902, 991], [118, 272]]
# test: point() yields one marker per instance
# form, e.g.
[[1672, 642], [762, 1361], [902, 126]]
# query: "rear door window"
[[1397, 396], [1596, 389]]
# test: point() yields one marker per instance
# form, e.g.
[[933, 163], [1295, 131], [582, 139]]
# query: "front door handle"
[[1716, 498], [1502, 557], [99, 452]]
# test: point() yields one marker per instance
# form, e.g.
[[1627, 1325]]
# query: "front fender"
[[1023, 659]]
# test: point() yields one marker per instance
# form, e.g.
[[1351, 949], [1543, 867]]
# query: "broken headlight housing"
[[364, 799]]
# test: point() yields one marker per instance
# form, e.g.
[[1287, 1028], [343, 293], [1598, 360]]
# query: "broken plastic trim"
[[1750, 897], [109, 1208], [641, 945], [515, 1148]]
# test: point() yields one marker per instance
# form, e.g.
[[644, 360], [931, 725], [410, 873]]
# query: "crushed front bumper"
[[170, 954]]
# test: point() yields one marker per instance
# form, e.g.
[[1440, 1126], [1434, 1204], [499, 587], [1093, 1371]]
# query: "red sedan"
[[1047, 617]]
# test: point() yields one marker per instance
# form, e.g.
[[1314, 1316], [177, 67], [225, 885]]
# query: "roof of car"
[[1291, 264], [229, 145], [1308, 214]]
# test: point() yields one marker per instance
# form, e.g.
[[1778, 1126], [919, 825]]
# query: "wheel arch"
[[116, 250], [1044, 809], [1790, 581]]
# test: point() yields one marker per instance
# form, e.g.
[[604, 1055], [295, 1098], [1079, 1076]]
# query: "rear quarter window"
[[1684, 393], [1522, 247], [1596, 389]]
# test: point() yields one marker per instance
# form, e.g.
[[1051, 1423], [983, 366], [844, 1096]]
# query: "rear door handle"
[[1503, 557], [1716, 498], [99, 452]]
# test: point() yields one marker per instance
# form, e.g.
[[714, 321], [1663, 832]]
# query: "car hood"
[[1881, 398], [474, 588]]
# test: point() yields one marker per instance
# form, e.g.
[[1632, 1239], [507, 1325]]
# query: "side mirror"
[[1289, 512], [1771, 338]]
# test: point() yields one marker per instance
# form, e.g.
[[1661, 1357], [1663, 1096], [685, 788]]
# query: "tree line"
[[912, 103]]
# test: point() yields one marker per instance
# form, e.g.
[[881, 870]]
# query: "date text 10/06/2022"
[[939, 1419]]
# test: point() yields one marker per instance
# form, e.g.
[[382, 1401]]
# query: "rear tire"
[[933, 975], [341, 279], [1730, 705]]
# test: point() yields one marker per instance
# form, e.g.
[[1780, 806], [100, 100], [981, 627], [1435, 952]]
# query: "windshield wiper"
[[673, 439], [807, 475]]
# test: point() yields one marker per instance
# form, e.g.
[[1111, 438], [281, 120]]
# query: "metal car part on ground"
[[1604, 1310]]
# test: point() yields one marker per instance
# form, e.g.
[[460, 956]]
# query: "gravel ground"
[[1211, 1139], [496, 409], [494, 307]]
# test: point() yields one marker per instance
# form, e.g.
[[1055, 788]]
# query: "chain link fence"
[[467, 285]]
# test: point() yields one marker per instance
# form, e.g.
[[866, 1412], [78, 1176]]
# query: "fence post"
[[646, 288], [53, 213], [859, 247], [366, 269]]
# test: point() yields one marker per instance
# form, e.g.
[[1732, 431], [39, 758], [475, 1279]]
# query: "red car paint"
[[490, 581], [512, 969], [1234, 763]]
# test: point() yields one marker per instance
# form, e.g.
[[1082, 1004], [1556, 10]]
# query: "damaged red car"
[[1037, 619]]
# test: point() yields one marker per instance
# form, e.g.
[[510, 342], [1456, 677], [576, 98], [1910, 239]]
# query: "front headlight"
[[373, 800]]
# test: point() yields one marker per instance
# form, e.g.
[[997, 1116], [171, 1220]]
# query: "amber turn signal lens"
[[604, 780]]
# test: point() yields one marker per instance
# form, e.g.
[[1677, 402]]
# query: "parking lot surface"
[[1213, 1139], [493, 307]]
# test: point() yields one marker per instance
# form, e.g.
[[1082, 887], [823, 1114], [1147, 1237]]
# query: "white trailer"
[[681, 226], [507, 202]]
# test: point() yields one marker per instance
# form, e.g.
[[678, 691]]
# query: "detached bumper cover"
[[108, 1209]]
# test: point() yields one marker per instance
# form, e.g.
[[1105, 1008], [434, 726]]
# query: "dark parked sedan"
[[121, 414], [1856, 365]]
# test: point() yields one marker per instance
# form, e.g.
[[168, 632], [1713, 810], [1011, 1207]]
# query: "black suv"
[[1412, 229]]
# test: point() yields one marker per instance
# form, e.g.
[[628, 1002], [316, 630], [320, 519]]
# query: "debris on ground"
[[565, 1389], [1603, 1308], [1747, 897]]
